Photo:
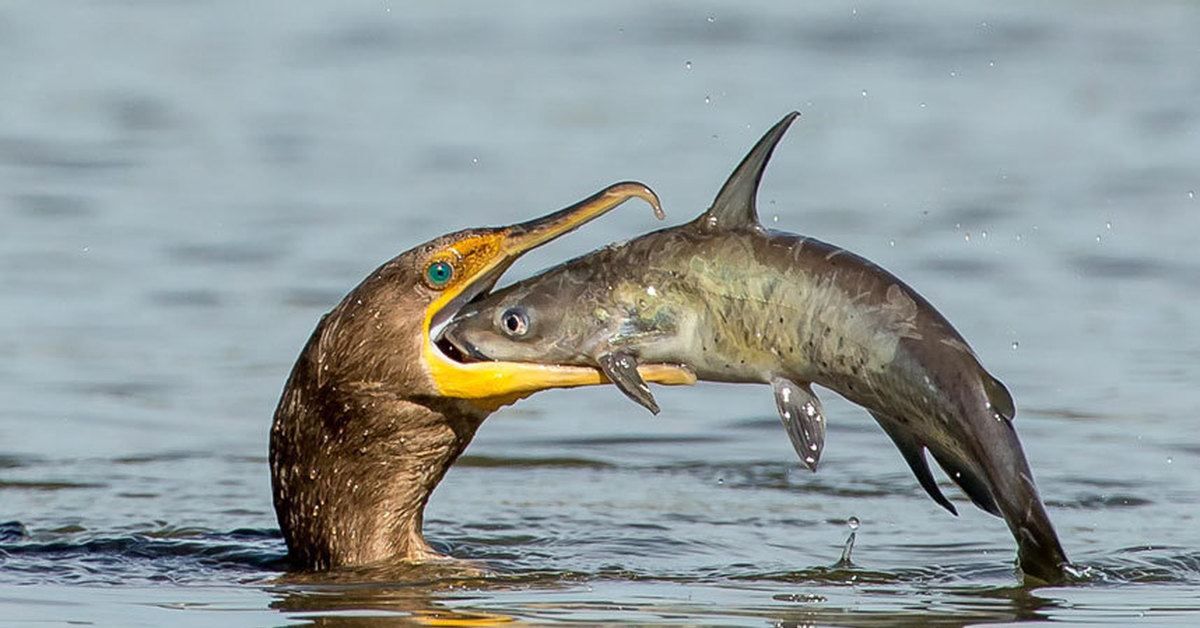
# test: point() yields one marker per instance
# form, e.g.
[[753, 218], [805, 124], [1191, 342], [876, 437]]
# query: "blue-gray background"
[[186, 186]]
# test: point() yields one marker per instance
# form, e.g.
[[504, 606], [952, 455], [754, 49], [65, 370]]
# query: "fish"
[[734, 301]]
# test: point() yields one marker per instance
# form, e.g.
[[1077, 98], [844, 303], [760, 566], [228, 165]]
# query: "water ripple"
[[176, 555], [485, 462]]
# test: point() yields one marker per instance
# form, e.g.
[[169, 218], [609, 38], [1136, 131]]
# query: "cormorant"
[[375, 411]]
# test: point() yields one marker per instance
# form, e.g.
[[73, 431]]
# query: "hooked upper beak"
[[494, 384]]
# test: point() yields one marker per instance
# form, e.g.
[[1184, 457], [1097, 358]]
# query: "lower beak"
[[493, 384]]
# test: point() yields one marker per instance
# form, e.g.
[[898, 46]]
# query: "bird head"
[[402, 307]]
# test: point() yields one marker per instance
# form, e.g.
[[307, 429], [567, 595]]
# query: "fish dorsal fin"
[[734, 206]]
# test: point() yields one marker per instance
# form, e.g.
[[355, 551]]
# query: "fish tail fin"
[[1004, 471], [988, 464]]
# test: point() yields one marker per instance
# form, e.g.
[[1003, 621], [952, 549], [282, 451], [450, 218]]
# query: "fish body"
[[736, 302]]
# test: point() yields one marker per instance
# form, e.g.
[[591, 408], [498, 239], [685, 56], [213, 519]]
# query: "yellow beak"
[[493, 384]]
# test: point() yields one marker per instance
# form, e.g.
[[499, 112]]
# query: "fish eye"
[[439, 273], [514, 322]]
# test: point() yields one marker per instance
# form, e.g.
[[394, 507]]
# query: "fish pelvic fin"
[[621, 368], [803, 419], [913, 451], [735, 205]]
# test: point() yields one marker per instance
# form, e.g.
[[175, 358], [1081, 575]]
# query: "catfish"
[[736, 302]]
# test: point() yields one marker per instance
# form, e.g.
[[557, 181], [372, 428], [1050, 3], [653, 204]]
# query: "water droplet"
[[966, 237], [891, 243], [687, 65], [720, 480], [775, 218], [922, 105], [810, 460], [1015, 345], [312, 474], [853, 523], [1170, 460], [474, 160], [983, 234], [711, 19], [1097, 238], [1108, 225], [1191, 194], [864, 93], [708, 100], [953, 73]]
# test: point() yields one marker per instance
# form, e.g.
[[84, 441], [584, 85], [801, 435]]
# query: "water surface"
[[186, 187]]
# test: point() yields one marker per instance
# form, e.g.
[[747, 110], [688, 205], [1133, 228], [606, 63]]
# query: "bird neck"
[[353, 468]]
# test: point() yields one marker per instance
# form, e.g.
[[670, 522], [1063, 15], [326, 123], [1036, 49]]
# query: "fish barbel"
[[736, 302]]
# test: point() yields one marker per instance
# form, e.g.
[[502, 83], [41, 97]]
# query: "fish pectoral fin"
[[802, 417], [913, 451], [621, 368]]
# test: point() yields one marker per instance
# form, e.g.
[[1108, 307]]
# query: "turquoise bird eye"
[[439, 274]]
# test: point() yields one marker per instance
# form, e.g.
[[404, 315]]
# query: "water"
[[186, 187]]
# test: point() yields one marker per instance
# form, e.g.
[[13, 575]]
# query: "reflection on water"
[[186, 187]]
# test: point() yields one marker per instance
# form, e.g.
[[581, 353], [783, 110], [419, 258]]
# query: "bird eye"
[[515, 322], [438, 274]]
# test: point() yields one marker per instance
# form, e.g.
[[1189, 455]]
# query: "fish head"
[[545, 319], [570, 316]]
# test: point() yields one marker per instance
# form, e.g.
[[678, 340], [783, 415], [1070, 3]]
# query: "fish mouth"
[[460, 350], [476, 290], [466, 373]]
